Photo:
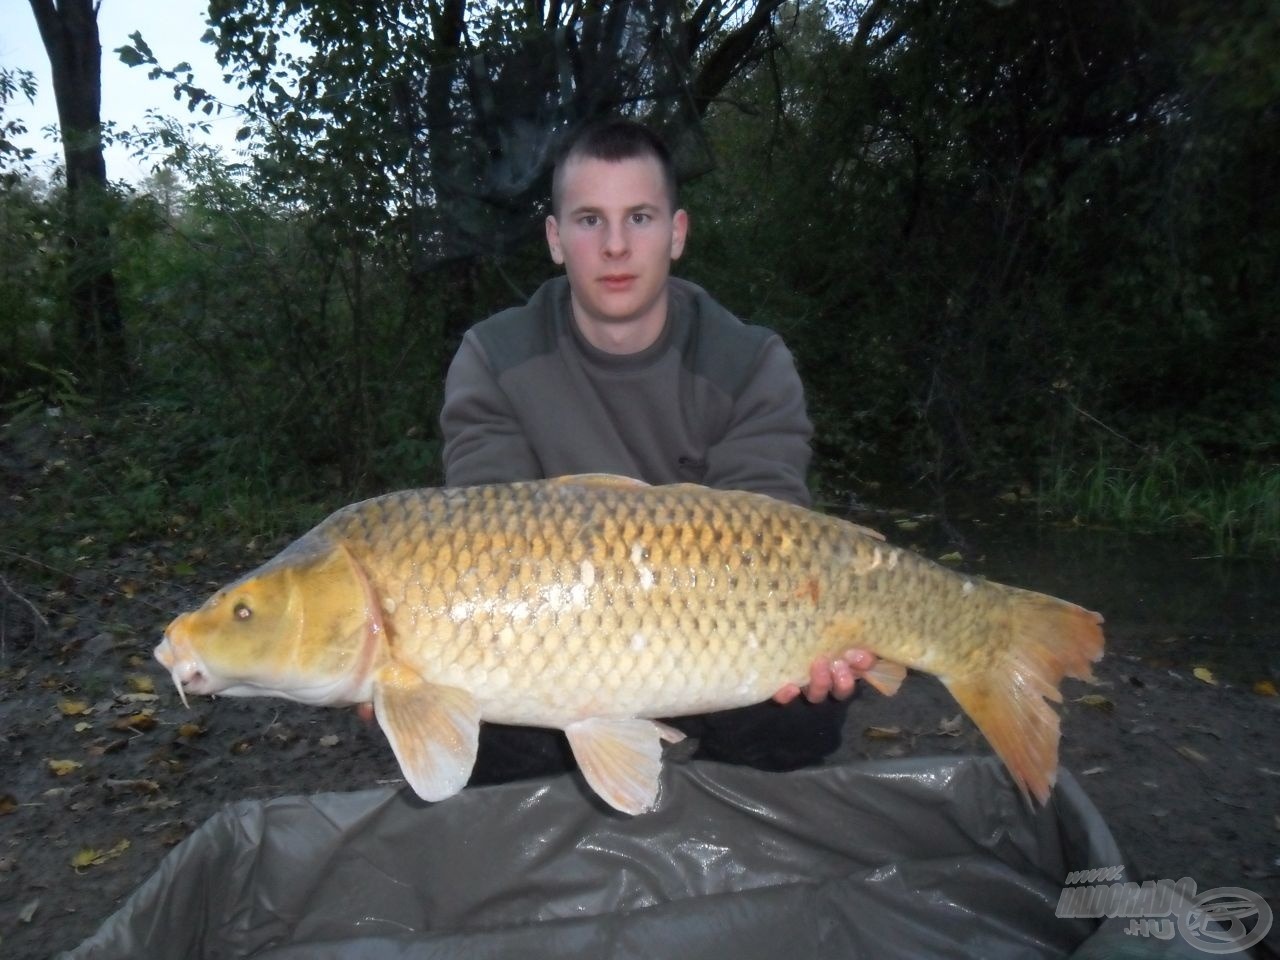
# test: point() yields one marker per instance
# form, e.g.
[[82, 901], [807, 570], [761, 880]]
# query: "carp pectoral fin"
[[886, 676], [434, 730], [622, 759], [1009, 702]]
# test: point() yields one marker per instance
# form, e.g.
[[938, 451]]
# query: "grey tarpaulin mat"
[[910, 859]]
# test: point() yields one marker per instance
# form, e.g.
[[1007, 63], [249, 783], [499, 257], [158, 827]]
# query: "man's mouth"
[[618, 281]]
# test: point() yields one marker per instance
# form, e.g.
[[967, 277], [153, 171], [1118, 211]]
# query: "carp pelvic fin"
[[1048, 639], [434, 730], [622, 759]]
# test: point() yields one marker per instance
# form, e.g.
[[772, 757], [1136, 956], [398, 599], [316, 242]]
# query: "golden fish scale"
[[554, 602]]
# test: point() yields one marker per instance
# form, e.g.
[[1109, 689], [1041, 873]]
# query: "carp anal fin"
[[1048, 639], [621, 759], [848, 633], [434, 730], [886, 676]]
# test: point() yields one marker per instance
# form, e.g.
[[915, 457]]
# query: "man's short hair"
[[613, 141]]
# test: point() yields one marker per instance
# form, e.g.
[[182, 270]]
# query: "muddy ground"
[[103, 771]]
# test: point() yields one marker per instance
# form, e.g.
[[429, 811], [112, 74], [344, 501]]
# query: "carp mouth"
[[186, 669]]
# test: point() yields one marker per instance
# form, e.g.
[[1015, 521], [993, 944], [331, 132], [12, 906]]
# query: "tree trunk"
[[69, 30]]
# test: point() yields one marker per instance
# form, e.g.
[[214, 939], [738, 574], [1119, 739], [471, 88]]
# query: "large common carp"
[[593, 604]]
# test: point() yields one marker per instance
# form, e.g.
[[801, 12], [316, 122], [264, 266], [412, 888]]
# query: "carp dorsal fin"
[[434, 730], [621, 759], [867, 531], [597, 480]]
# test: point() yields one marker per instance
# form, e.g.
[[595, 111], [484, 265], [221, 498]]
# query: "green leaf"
[[130, 57]]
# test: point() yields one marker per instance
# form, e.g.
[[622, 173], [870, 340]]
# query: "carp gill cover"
[[595, 604]]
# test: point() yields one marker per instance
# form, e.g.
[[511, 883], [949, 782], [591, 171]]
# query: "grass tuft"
[[1173, 487]]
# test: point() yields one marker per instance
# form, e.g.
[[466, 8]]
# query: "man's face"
[[616, 235]]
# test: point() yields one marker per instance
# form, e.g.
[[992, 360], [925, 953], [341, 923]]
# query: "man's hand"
[[830, 678]]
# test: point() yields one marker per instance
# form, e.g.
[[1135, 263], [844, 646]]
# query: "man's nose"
[[615, 240]]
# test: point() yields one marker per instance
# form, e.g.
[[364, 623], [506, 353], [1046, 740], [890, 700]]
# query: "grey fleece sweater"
[[713, 401]]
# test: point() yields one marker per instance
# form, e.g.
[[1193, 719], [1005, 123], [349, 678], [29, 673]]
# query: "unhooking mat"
[[906, 859]]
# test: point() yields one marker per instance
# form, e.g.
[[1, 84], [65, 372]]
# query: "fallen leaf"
[[882, 733], [1205, 675], [141, 684], [952, 727], [242, 746], [82, 726], [29, 911], [1207, 731], [89, 857], [146, 787], [330, 740], [85, 856], [282, 734], [952, 557], [60, 768], [1191, 753], [1097, 701], [104, 746], [141, 722], [72, 708], [1264, 688], [189, 730], [135, 661], [1231, 802], [908, 524], [7, 804], [138, 698]]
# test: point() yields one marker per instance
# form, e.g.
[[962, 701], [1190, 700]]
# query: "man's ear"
[[679, 231], [553, 240]]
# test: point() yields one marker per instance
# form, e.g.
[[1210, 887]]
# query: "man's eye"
[[590, 220], [640, 218]]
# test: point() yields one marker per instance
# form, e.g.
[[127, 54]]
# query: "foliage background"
[[1014, 247]]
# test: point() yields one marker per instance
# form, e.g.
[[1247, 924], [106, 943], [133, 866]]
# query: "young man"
[[617, 367]]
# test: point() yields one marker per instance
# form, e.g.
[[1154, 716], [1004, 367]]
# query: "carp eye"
[[242, 611]]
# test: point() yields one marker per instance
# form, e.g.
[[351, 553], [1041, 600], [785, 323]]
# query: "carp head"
[[300, 627]]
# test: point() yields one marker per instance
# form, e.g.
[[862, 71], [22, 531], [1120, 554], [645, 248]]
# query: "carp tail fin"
[[1047, 639]]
